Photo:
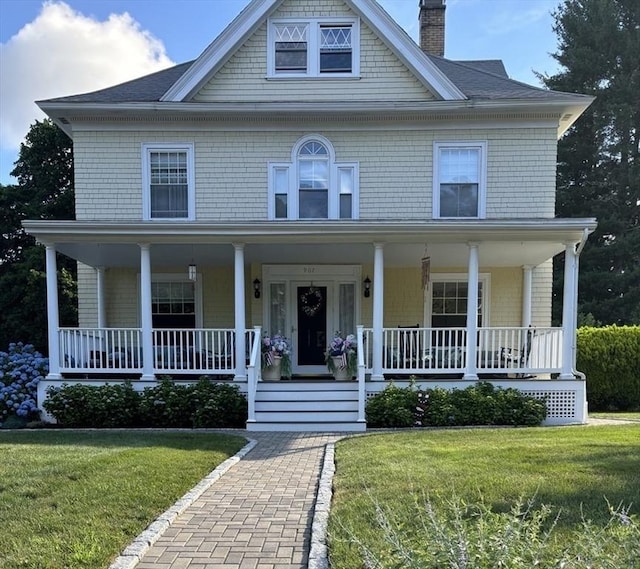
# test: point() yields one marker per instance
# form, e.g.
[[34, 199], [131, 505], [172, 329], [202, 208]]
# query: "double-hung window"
[[459, 186], [313, 185], [168, 187], [317, 47]]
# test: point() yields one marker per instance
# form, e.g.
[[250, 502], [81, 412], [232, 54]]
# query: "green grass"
[[76, 499], [574, 470], [627, 416]]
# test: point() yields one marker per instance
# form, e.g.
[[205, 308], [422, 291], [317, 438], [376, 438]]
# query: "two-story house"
[[315, 170]]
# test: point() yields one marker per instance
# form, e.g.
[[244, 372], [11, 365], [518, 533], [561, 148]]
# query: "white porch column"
[[239, 301], [471, 372], [568, 311], [53, 318], [527, 289], [378, 311], [146, 314], [102, 308]]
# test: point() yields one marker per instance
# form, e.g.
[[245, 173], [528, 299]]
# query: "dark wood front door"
[[312, 325]]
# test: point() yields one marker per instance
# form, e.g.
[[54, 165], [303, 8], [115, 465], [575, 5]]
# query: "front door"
[[311, 304]]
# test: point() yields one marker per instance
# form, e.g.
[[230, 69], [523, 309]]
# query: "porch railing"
[[187, 351], [499, 350]]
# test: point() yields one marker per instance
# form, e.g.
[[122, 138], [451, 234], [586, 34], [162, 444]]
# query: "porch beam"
[[569, 310], [527, 291], [240, 317], [100, 294], [378, 311], [53, 318], [146, 312], [471, 372]]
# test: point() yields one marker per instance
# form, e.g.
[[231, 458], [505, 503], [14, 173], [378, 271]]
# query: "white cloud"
[[62, 52]]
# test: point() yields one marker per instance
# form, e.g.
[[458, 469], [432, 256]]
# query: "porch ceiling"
[[501, 243]]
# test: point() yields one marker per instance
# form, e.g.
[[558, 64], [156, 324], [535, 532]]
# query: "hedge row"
[[610, 358], [481, 404], [168, 404]]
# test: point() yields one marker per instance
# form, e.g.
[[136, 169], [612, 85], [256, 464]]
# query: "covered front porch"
[[365, 271]]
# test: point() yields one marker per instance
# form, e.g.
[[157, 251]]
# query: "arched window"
[[313, 181], [313, 185]]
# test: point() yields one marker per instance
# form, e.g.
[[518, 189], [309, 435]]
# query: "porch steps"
[[312, 405]]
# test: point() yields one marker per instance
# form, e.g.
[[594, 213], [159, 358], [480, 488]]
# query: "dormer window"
[[313, 185], [319, 47]]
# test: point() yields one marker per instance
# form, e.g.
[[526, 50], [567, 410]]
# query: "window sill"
[[327, 77]]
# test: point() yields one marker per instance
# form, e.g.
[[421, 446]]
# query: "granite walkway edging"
[[133, 553], [318, 555]]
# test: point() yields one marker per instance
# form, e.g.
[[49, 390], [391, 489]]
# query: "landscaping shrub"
[[218, 405], [21, 369], [205, 404], [394, 407], [479, 404], [166, 405], [94, 406], [610, 358]]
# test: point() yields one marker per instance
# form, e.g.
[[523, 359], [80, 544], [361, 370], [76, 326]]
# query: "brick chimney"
[[432, 26]]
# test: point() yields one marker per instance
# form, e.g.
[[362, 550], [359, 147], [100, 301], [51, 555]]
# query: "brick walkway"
[[257, 516]]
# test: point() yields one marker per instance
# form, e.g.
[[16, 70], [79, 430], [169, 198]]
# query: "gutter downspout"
[[579, 247]]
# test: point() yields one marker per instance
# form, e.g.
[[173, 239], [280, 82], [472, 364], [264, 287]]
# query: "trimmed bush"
[[479, 404], [94, 406], [610, 358], [168, 404], [21, 369]]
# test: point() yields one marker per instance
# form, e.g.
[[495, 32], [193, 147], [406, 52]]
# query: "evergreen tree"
[[44, 171], [598, 158]]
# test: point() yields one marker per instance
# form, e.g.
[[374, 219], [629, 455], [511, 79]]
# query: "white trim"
[[481, 146], [292, 276], [396, 39], [333, 196], [180, 278], [147, 149], [484, 278], [313, 47]]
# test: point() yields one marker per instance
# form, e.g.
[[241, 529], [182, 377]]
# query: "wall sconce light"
[[192, 272], [256, 288], [367, 287]]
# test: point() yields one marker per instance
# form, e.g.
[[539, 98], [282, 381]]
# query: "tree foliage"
[[598, 159], [44, 171]]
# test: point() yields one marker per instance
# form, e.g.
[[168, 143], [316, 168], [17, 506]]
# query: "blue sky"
[[55, 48]]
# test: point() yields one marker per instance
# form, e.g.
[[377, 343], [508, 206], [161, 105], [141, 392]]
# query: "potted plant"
[[275, 357], [341, 356]]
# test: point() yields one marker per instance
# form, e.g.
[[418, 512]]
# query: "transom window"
[[313, 185], [168, 181], [459, 180], [313, 48]]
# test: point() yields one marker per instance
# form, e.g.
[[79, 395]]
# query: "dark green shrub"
[[392, 408], [93, 406], [167, 404], [610, 358], [218, 405], [478, 404]]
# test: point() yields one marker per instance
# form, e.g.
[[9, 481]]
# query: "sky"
[[55, 48]]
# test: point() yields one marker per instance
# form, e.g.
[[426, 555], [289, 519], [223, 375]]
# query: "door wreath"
[[311, 301]]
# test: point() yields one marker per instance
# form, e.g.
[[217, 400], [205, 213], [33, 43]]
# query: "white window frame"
[[334, 191], [174, 278], [147, 150], [481, 147], [484, 278], [313, 48]]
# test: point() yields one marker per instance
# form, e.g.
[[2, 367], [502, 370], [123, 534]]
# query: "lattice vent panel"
[[560, 404]]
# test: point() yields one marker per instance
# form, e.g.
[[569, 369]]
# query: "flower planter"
[[340, 373], [274, 371]]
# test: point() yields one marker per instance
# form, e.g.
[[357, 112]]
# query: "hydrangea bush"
[[21, 369]]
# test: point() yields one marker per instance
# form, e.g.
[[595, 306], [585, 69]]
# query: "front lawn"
[[624, 415], [395, 485], [76, 499]]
